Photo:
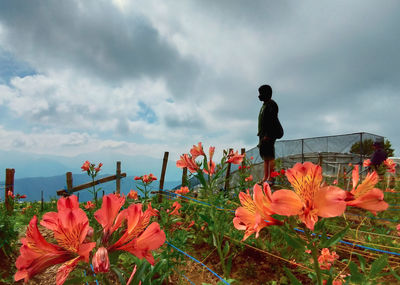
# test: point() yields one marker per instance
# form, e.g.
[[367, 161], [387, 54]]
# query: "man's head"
[[265, 93]]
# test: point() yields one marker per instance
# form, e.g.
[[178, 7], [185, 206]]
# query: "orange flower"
[[190, 225], [364, 195], [189, 162], [197, 150], [235, 157], [10, 194], [250, 178], [308, 200], [139, 238], [70, 226], [183, 190], [97, 169], [255, 213], [132, 195], [86, 166], [108, 215], [390, 165], [210, 164], [89, 205], [176, 207], [326, 258], [100, 261], [366, 163]]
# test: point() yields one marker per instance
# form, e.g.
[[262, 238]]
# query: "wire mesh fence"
[[331, 152]]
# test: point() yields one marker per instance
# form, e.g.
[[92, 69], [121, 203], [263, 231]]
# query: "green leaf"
[[226, 249], [377, 266], [362, 262], [394, 274], [291, 277], [356, 276], [294, 242], [120, 274], [335, 238]]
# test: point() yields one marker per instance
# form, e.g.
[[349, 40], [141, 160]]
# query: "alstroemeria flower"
[[210, 163], [197, 150], [100, 261], [235, 157], [367, 162], [132, 195], [326, 258], [189, 162], [89, 205], [108, 215], [10, 194], [70, 226], [390, 165], [255, 213], [183, 190], [275, 174], [308, 200], [398, 229], [176, 207], [97, 169], [364, 195], [86, 166], [139, 238], [249, 178]]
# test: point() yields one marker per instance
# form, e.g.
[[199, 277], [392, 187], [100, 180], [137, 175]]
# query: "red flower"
[[190, 225], [138, 178], [89, 205], [22, 196], [197, 150], [183, 190], [86, 166], [235, 157], [100, 261], [274, 174], [364, 195], [10, 194], [70, 226], [97, 169], [176, 207], [132, 195], [138, 238], [283, 171], [187, 161], [250, 178]]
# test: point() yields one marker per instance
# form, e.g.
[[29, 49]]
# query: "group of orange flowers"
[[310, 199]]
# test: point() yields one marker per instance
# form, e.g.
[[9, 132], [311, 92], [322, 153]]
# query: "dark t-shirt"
[[268, 122]]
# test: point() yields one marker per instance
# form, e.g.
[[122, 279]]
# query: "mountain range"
[[33, 186]]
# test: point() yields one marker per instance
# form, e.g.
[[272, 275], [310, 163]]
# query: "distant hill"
[[33, 186]]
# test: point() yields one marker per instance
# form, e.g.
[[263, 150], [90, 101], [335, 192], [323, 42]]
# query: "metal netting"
[[331, 152]]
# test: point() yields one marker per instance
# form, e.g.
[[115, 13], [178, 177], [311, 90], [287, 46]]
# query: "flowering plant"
[[127, 230], [92, 171], [145, 181]]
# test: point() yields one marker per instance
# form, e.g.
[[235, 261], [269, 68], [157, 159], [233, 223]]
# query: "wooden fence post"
[[118, 180], [163, 170], [42, 201], [69, 183], [228, 173], [184, 176], [9, 187], [243, 151]]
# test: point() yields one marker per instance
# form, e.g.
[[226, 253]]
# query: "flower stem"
[[314, 254]]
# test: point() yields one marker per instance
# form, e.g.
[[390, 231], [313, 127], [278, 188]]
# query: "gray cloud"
[[95, 38]]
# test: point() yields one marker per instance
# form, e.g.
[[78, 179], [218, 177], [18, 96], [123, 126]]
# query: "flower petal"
[[286, 203], [371, 201], [329, 201]]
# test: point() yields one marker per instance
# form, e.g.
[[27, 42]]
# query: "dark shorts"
[[267, 149]]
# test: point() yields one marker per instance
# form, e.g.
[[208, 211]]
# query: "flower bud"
[[100, 261]]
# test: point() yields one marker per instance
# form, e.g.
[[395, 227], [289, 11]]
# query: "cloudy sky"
[[140, 77]]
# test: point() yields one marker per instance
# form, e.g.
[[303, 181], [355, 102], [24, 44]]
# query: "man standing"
[[269, 129]]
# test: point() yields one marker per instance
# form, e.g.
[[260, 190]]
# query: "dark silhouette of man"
[[379, 155], [269, 129]]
